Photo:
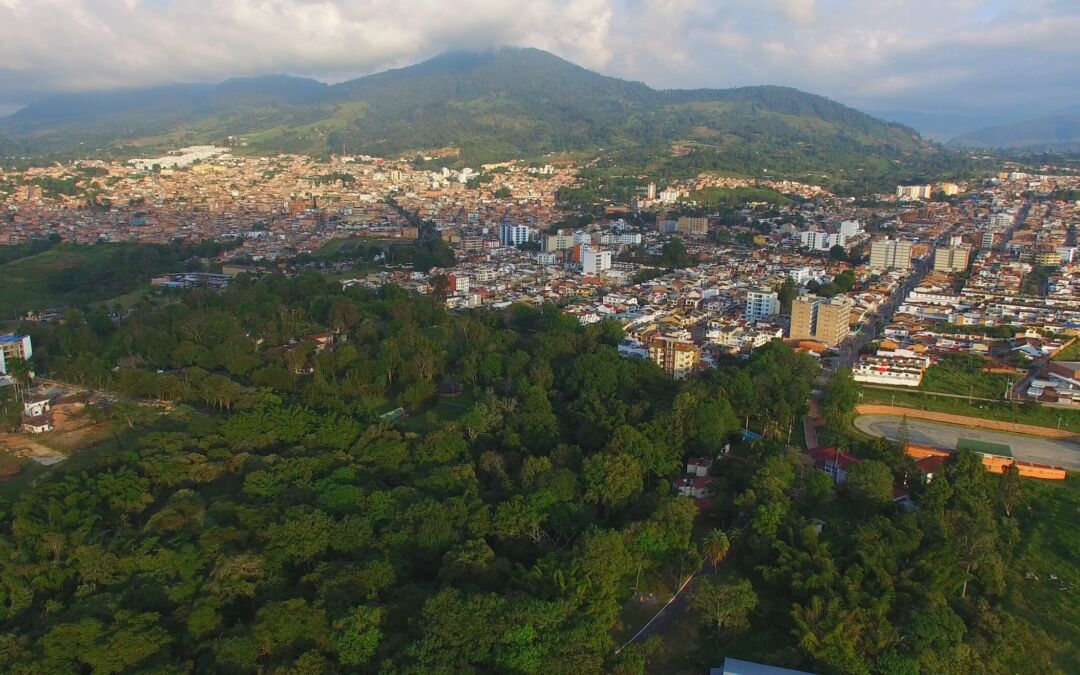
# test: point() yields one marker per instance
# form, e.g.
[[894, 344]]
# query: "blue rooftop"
[[11, 339]]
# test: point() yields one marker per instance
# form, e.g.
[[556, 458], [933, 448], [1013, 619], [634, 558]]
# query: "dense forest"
[[270, 519]]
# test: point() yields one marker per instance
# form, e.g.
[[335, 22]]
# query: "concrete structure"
[[698, 227], [814, 318], [761, 304], [594, 261], [890, 254], [899, 367], [951, 259], [913, 191], [14, 347], [821, 241], [514, 235], [677, 357], [559, 241]]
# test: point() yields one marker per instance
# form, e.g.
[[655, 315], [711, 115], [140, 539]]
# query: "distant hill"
[[1059, 132], [494, 105]]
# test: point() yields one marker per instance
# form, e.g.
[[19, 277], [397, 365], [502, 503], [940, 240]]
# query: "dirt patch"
[[73, 430]]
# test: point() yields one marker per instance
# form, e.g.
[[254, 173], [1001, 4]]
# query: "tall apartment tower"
[[894, 254], [760, 304], [826, 321], [950, 259]]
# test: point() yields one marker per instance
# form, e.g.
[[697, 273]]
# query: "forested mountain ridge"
[[495, 105], [271, 521], [1054, 133]]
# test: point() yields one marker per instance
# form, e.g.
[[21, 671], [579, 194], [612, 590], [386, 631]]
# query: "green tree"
[[870, 481], [357, 635], [726, 605], [839, 399]]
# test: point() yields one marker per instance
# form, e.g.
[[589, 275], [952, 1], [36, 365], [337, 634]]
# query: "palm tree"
[[20, 372], [715, 547]]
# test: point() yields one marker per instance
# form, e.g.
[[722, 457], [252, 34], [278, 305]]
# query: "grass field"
[[1047, 564], [26, 284], [24, 279], [955, 381], [1028, 413], [1070, 353]]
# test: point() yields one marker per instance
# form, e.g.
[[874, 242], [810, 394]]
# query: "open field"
[[945, 436], [26, 279], [955, 381]]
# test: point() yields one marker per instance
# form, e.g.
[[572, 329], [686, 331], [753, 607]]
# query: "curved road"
[[1025, 448]]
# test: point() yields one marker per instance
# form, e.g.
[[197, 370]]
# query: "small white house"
[[36, 406]]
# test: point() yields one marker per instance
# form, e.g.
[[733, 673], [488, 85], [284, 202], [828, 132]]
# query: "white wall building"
[[899, 367], [514, 235], [594, 261], [761, 304]]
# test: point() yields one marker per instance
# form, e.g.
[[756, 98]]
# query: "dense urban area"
[[279, 414]]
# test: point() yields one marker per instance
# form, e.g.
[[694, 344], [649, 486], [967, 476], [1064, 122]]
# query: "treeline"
[[17, 251]]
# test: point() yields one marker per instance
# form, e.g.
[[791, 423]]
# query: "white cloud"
[[922, 54]]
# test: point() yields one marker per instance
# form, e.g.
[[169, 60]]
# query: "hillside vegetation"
[[495, 106]]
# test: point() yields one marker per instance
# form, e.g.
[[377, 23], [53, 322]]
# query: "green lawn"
[[1027, 413], [949, 380], [1070, 353], [1050, 547], [24, 279]]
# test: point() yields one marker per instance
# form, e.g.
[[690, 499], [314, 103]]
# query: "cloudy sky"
[[942, 56]]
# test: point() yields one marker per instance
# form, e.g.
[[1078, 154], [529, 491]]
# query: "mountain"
[[1059, 132], [494, 105]]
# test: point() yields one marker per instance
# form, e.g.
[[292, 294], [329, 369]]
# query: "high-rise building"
[[913, 191], [594, 261], [652, 191], [816, 240], [760, 304], [514, 235], [669, 196], [988, 240], [886, 254], [693, 226], [826, 321], [951, 259], [677, 357], [14, 347], [558, 242]]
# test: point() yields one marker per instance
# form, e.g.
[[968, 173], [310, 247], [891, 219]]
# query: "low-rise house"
[[698, 466]]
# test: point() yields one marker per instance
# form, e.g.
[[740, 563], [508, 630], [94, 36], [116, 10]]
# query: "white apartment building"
[[594, 261], [760, 304], [821, 241], [514, 235]]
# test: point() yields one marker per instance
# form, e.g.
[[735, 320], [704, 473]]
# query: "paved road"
[[940, 435]]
